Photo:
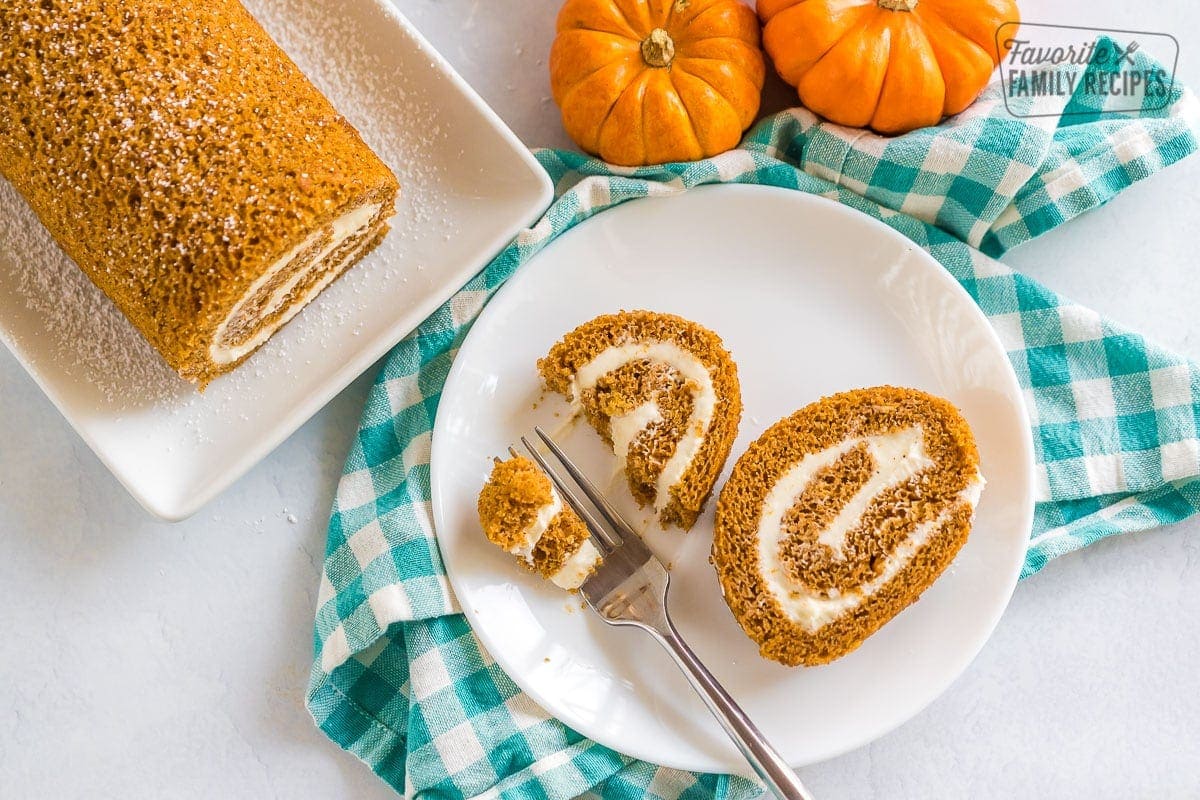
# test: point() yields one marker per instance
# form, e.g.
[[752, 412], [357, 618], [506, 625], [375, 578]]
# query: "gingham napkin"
[[400, 679]]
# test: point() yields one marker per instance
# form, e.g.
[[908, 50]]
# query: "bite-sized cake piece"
[[187, 165], [522, 514], [664, 393], [839, 517]]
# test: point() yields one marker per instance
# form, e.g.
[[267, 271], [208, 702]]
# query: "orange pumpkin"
[[651, 81], [892, 65]]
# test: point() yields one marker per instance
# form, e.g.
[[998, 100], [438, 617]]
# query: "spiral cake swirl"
[[840, 516], [664, 393]]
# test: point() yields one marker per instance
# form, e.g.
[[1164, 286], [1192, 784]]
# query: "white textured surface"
[[141, 659]]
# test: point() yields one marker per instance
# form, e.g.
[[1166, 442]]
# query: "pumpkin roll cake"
[[840, 516], [521, 513], [188, 167], [663, 393]]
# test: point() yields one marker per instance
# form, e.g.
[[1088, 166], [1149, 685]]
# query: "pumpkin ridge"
[[873, 28], [860, 29], [641, 76], [580, 84], [931, 18], [737, 67], [638, 35], [736, 74], [583, 78], [645, 142], [635, 91], [563, 23], [856, 28], [683, 68], [687, 112], [916, 29], [766, 13], [957, 101], [674, 13], [690, 115], [627, 44], [749, 62], [719, 39], [931, 10], [682, 32], [665, 20], [585, 29], [933, 51]]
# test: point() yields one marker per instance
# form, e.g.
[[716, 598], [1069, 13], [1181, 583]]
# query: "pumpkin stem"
[[898, 5], [658, 49]]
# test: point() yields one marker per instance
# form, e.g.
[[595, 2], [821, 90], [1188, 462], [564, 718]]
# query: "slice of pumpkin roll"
[[522, 513], [664, 393], [840, 516]]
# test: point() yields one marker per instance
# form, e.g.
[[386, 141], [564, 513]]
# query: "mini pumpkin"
[[651, 81], [892, 65]]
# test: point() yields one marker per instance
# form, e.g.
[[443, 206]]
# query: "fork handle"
[[765, 759]]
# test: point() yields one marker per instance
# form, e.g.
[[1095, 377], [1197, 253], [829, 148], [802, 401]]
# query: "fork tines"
[[608, 530]]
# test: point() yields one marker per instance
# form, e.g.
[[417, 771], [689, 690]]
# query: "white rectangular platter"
[[468, 185]]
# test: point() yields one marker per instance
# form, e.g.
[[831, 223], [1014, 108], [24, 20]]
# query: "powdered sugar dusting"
[[92, 343], [461, 187], [89, 339], [397, 120]]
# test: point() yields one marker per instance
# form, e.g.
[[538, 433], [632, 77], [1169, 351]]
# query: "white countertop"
[[144, 659]]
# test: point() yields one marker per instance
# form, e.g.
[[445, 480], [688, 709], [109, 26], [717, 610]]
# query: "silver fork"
[[630, 588]]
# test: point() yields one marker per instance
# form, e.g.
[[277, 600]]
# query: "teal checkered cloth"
[[399, 677]]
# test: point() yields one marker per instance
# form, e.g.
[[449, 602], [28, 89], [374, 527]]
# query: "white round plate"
[[811, 298]]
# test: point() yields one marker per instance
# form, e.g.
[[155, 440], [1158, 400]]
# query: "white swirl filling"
[[626, 427], [577, 566], [898, 456], [341, 229]]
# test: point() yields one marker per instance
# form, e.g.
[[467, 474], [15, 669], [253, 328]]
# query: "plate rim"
[[438, 456], [188, 497]]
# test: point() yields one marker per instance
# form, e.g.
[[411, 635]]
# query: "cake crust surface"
[[177, 154], [839, 516]]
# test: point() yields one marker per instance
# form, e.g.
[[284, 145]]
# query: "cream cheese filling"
[[626, 427], [898, 456], [577, 567], [343, 228]]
